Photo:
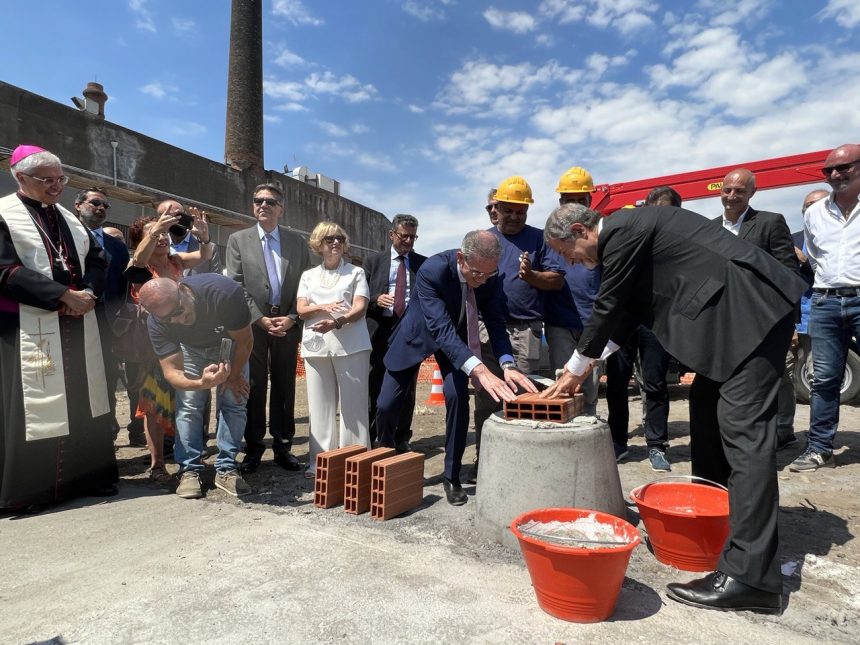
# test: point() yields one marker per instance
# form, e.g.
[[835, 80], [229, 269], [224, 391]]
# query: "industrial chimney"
[[243, 143]]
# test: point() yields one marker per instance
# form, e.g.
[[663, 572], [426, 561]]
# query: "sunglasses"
[[98, 202], [331, 239], [843, 167], [178, 310], [259, 201], [490, 207]]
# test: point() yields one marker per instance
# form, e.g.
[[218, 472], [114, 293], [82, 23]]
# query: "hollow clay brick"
[[328, 484], [397, 485], [530, 406], [359, 472]]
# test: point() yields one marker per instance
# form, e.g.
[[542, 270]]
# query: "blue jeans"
[[190, 405], [832, 322]]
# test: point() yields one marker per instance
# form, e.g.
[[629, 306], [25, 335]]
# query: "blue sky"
[[420, 106]]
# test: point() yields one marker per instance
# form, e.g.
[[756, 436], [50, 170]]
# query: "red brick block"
[[530, 406], [331, 466], [359, 472], [397, 485]]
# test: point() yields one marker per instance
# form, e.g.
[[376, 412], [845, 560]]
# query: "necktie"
[[271, 269], [472, 334], [99, 238], [400, 288]]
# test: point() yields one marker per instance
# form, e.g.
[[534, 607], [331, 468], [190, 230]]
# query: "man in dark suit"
[[451, 289], [769, 232], [268, 260], [391, 279], [92, 206], [724, 308]]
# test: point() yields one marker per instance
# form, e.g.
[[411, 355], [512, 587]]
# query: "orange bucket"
[[576, 583], [687, 523]]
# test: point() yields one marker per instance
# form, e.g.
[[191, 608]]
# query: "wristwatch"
[[509, 365]]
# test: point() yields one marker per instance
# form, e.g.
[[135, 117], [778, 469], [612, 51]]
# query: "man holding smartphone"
[[188, 324]]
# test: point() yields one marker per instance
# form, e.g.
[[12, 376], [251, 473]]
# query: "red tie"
[[400, 288]]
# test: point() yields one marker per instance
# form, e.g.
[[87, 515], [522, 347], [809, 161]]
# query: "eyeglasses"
[[406, 236], [50, 181], [97, 203], [479, 275], [331, 239], [490, 207], [259, 201], [843, 167]]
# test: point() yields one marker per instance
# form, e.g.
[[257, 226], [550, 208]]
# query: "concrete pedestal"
[[530, 464]]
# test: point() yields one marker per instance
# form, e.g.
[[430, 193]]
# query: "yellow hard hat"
[[514, 190], [575, 180]]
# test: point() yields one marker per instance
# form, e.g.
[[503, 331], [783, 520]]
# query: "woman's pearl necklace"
[[329, 277]]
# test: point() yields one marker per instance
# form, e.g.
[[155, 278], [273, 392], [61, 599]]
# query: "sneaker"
[[231, 482], [659, 462], [189, 485], [620, 452], [812, 460]]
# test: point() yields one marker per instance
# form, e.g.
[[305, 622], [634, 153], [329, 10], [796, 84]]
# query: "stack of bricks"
[[358, 475], [531, 407], [397, 485], [330, 475]]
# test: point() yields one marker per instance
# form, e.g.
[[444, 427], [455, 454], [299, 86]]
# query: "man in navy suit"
[[92, 207], [391, 279], [451, 288]]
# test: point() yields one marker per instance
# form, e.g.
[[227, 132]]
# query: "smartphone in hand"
[[226, 350]]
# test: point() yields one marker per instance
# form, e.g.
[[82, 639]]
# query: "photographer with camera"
[[200, 329], [148, 236]]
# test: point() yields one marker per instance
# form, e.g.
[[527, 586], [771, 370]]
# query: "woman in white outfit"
[[332, 301]]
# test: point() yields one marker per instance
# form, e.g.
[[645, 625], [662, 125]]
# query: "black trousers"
[[403, 431], [733, 442], [275, 358], [654, 361]]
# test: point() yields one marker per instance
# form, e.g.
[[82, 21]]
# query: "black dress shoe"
[[288, 461], [455, 493], [403, 446], [719, 591], [250, 464]]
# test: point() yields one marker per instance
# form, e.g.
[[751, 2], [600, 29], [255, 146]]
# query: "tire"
[[850, 382]]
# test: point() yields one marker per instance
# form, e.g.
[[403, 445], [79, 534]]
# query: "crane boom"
[[778, 172]]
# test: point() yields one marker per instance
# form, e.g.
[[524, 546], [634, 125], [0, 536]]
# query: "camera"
[[181, 227]]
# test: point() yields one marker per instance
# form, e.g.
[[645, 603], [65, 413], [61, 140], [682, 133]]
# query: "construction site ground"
[[149, 567]]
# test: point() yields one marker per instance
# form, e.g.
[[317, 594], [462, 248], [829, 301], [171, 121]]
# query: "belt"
[[843, 292], [274, 310]]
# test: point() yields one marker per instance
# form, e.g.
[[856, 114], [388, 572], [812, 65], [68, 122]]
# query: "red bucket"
[[576, 583], [687, 523]]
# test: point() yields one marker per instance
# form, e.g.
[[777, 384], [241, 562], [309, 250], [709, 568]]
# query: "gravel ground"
[[819, 555]]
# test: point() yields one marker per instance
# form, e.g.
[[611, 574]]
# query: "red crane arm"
[[779, 172]]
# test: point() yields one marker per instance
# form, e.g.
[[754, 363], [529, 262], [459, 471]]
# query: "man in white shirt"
[[832, 234]]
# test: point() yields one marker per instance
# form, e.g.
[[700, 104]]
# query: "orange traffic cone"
[[437, 397]]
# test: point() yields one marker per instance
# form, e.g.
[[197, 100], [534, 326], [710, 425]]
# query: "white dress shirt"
[[833, 244], [735, 227]]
